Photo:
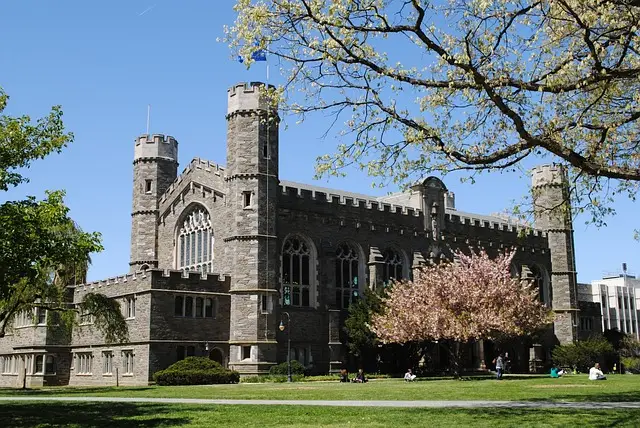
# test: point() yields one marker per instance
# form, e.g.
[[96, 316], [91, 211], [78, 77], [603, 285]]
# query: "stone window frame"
[[130, 307], [128, 358], [193, 312], [312, 286], [404, 263], [107, 363], [83, 363], [361, 274], [542, 281], [194, 233], [48, 362], [305, 352]]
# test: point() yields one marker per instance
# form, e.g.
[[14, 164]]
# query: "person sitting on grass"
[[409, 376], [556, 372], [344, 375], [360, 377], [596, 374]]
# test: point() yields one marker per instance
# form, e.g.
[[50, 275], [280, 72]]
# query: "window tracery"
[[195, 242], [347, 269], [296, 272]]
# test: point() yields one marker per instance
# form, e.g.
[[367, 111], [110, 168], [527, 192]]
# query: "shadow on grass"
[[98, 415], [483, 377], [604, 397], [70, 390]]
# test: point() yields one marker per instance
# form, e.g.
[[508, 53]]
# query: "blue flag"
[[259, 55]]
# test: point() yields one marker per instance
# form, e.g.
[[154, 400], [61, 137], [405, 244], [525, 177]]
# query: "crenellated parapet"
[[320, 197], [247, 98], [548, 175], [154, 147], [154, 279], [195, 166]]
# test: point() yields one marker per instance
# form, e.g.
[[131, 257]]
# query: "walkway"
[[373, 403]]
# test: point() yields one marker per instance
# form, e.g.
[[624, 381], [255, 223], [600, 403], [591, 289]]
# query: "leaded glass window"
[[195, 243], [296, 272], [347, 268], [392, 267]]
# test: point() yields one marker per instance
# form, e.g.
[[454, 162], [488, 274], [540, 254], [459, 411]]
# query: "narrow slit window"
[[147, 186], [246, 199]]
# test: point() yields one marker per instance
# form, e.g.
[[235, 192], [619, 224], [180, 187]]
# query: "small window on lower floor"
[[180, 353], [107, 362], [127, 362], [246, 352], [191, 351]]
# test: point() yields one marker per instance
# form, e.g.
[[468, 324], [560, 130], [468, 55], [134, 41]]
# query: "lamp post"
[[282, 327]]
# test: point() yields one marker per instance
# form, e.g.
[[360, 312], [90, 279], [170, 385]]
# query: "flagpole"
[[148, 117]]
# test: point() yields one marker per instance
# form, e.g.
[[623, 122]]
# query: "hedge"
[[195, 371], [282, 369]]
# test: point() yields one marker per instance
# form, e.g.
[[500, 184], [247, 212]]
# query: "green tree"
[[584, 354], [41, 249], [361, 340], [437, 86]]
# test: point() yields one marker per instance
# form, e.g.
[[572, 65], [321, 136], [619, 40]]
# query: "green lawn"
[[570, 388], [129, 415]]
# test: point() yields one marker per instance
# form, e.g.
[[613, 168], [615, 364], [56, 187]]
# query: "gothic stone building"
[[221, 255]]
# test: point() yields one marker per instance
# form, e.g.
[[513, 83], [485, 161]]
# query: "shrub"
[[195, 371], [582, 355], [196, 363], [270, 379], [281, 369], [631, 364]]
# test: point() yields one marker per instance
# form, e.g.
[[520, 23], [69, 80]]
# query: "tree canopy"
[[443, 85], [41, 249], [474, 297]]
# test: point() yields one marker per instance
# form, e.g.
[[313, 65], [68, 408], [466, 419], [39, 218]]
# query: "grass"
[[129, 415], [523, 388]]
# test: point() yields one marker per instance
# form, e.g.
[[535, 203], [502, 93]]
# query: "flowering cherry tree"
[[472, 298]]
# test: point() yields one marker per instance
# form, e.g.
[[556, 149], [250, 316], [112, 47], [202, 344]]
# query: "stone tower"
[[252, 175], [552, 211], [155, 167]]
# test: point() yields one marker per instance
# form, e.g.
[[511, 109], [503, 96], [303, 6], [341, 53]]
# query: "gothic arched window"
[[392, 267], [347, 268], [296, 272], [195, 242], [541, 284]]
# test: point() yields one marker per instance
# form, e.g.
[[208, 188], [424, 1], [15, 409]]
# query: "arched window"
[[195, 242], [296, 272], [541, 284], [347, 269], [392, 267]]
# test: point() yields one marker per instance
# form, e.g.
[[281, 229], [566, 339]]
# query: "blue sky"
[[104, 62]]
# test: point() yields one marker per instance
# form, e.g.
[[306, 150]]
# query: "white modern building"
[[619, 297]]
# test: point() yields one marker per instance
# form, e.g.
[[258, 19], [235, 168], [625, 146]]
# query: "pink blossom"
[[474, 297]]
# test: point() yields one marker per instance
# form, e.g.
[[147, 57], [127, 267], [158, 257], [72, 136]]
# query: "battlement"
[[156, 146], [196, 164], [154, 279], [351, 200], [548, 174], [246, 97], [457, 221]]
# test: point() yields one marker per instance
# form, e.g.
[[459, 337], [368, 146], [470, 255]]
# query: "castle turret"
[[252, 174], [552, 210], [155, 167]]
